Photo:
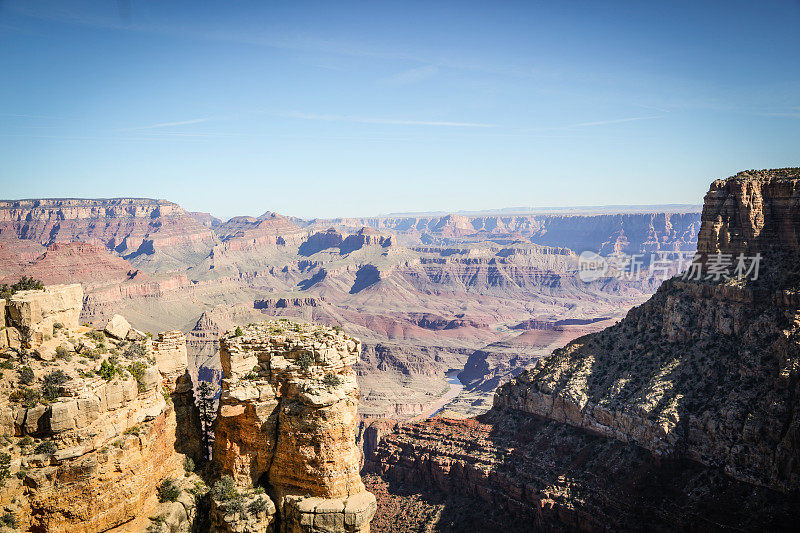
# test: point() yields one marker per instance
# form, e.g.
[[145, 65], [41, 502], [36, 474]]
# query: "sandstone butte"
[[287, 422], [683, 415]]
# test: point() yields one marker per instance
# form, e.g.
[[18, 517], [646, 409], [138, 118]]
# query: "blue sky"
[[345, 108]]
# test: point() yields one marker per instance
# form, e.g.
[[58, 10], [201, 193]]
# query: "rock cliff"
[[693, 392], [287, 422], [94, 422]]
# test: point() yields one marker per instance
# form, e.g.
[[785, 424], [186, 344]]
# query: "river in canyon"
[[455, 389]]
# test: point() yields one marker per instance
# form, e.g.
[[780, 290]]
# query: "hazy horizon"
[[319, 110]]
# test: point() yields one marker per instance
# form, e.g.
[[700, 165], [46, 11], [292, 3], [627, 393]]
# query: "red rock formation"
[[693, 393]]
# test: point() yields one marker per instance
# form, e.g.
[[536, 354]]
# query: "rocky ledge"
[[287, 423], [89, 418]]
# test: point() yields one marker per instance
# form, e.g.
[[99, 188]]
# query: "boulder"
[[34, 312], [135, 335], [118, 327]]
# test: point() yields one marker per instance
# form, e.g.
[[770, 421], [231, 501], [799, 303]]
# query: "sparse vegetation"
[[5, 468], [96, 335], [259, 505], [9, 520], [332, 380], [168, 491], [304, 361], [26, 396], [63, 353], [188, 465], [225, 489], [134, 351], [137, 371], [52, 382], [46, 447], [238, 332], [24, 284], [237, 506]]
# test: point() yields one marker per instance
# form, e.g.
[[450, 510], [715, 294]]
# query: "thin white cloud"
[[614, 121], [166, 124], [412, 75], [378, 120]]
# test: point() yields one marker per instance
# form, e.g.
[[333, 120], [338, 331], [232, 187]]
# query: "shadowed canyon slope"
[[681, 416], [423, 293]]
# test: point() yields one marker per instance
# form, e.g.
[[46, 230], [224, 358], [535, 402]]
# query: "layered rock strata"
[[693, 392], [287, 421], [92, 422]]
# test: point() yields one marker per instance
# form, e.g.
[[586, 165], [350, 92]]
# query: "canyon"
[[425, 293], [680, 416]]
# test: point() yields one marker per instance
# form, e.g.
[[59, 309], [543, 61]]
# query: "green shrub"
[[5, 467], [304, 361], [96, 335], [259, 505], [7, 364], [26, 375], [25, 441], [46, 447], [9, 520], [225, 489], [238, 332], [107, 370], [332, 380], [52, 384], [24, 284], [63, 353], [137, 371], [26, 396], [57, 326], [237, 506], [134, 351], [168, 491], [188, 464]]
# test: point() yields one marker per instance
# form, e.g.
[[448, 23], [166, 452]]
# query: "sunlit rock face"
[[94, 421], [287, 421], [694, 392], [706, 366]]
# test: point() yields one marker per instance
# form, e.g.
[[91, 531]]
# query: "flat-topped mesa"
[[752, 212], [287, 421]]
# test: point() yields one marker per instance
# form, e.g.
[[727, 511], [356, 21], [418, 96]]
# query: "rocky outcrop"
[[34, 312], [287, 422], [94, 423], [693, 392]]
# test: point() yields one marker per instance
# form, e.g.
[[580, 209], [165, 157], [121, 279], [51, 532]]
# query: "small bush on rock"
[[26, 375], [259, 505], [237, 506], [305, 361], [9, 520], [238, 332], [46, 447], [52, 384], [168, 491], [26, 396], [332, 380], [224, 489]]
